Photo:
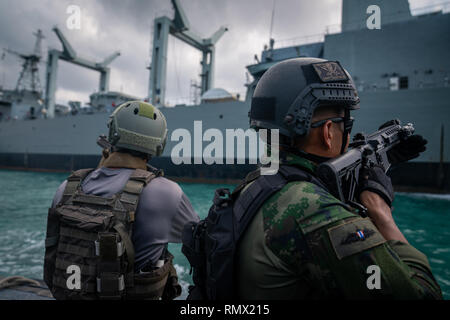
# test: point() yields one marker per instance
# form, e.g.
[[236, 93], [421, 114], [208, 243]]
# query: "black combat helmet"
[[288, 93]]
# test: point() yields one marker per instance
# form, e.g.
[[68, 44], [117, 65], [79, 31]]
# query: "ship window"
[[393, 83], [403, 83]]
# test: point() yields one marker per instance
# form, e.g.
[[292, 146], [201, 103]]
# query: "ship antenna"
[[271, 25], [37, 47]]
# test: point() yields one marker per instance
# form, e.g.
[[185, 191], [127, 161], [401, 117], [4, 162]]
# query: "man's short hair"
[[327, 111]]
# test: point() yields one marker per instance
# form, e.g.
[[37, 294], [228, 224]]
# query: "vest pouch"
[[77, 254], [85, 219], [161, 282]]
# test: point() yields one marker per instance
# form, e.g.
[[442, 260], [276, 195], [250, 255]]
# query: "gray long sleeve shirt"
[[162, 211]]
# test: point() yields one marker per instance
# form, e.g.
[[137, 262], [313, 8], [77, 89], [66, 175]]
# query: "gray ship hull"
[[69, 143]]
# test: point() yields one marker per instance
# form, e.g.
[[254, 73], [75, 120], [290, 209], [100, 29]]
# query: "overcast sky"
[[125, 25]]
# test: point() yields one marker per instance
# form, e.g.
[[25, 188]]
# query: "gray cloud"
[[110, 25]]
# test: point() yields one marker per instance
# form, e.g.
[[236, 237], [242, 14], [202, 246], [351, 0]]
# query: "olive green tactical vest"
[[89, 253]]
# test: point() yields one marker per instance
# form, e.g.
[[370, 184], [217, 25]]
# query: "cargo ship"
[[401, 71]]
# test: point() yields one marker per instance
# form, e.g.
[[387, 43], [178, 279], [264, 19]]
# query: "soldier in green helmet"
[[108, 228], [303, 243]]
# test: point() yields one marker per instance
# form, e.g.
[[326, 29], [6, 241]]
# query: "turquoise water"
[[26, 196]]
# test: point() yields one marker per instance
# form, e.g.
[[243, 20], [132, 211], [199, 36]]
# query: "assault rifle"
[[341, 174]]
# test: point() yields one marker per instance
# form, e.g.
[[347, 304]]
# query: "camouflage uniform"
[[305, 243]]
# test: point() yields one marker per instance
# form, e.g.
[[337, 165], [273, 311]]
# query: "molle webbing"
[[109, 276], [86, 269], [87, 287], [73, 183], [129, 196], [78, 234], [95, 200]]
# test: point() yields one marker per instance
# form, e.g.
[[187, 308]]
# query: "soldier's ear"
[[327, 135]]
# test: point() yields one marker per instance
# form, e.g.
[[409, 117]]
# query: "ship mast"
[[29, 76]]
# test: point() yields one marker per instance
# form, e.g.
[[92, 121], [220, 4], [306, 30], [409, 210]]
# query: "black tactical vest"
[[210, 245], [88, 249]]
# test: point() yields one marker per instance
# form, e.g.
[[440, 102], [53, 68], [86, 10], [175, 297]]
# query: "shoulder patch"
[[354, 236]]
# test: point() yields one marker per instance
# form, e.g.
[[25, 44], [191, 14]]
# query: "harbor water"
[[26, 196]]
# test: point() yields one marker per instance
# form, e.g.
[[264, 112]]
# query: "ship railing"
[[313, 38]]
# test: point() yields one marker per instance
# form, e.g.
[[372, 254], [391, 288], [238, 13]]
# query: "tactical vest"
[[210, 245], [88, 249]]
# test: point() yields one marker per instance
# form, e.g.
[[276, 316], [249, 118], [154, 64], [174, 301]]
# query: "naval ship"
[[400, 70]]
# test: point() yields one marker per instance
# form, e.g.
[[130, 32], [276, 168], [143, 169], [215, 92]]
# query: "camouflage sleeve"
[[339, 253], [356, 259], [419, 268]]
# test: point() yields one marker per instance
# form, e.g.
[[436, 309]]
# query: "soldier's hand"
[[406, 150], [374, 179]]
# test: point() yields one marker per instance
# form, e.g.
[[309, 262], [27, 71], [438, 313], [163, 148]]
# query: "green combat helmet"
[[138, 126], [288, 93]]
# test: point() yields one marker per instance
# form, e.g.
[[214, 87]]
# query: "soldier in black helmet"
[[303, 243], [108, 228]]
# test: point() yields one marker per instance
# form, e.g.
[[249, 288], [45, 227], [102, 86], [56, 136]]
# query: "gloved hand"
[[374, 179], [407, 149]]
